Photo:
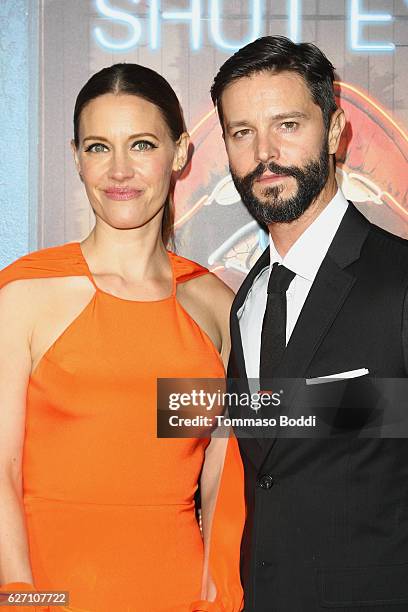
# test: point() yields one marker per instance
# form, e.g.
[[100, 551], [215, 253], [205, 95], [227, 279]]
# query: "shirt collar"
[[306, 255]]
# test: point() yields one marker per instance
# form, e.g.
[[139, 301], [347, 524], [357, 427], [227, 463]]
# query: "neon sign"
[[357, 18]]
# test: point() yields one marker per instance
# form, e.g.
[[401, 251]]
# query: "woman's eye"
[[289, 126], [143, 145], [97, 147]]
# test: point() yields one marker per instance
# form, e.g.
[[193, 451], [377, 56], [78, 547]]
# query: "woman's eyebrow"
[[129, 138]]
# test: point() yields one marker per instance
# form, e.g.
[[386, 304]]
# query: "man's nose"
[[266, 148]]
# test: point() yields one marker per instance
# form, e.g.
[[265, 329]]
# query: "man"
[[327, 518]]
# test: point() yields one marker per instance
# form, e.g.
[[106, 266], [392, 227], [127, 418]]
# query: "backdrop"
[[50, 48]]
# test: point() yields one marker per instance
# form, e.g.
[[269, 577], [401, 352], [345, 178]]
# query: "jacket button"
[[265, 481]]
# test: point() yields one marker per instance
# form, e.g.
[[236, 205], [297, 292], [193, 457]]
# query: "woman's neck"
[[136, 254]]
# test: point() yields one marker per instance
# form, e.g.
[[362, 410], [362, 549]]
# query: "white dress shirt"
[[304, 258]]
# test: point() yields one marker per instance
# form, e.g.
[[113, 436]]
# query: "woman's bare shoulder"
[[20, 303], [28, 291], [210, 289], [17, 314], [26, 303], [20, 295], [208, 300]]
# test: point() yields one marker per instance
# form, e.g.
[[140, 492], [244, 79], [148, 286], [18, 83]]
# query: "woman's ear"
[[76, 159], [181, 155]]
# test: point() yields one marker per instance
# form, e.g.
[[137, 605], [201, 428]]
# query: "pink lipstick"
[[122, 194]]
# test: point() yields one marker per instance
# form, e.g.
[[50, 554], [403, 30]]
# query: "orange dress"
[[109, 507]]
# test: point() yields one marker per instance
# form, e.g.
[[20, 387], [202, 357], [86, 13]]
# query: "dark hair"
[[277, 54], [145, 83]]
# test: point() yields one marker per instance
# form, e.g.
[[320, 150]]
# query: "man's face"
[[277, 145]]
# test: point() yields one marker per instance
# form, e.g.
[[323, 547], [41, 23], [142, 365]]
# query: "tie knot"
[[280, 279]]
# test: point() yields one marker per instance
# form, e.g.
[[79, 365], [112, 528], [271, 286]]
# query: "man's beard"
[[274, 209]]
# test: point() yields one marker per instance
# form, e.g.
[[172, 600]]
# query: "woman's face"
[[125, 158]]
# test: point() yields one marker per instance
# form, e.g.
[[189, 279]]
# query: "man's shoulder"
[[381, 234], [384, 257], [388, 244]]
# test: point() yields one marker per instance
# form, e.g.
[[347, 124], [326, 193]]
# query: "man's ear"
[[181, 156], [337, 125]]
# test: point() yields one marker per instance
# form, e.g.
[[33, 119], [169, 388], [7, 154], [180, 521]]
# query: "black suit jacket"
[[330, 529]]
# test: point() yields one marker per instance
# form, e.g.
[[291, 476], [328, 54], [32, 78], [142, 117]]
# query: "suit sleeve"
[[405, 331]]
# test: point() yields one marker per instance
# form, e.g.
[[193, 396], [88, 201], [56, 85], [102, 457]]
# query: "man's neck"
[[284, 235]]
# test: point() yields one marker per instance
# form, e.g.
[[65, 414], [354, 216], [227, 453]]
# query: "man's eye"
[[97, 147], [143, 145], [241, 133], [289, 126]]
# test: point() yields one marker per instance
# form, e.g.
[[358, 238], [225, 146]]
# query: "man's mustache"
[[272, 167]]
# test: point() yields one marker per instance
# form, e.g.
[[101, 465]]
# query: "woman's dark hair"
[[277, 54], [145, 83]]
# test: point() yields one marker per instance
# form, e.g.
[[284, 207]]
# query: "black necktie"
[[273, 338]]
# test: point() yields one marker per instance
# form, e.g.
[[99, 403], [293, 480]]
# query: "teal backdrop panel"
[[18, 128]]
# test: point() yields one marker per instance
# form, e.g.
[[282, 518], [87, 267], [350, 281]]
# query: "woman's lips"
[[122, 194]]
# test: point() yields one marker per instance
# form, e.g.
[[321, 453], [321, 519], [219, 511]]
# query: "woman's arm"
[[15, 366], [208, 301], [221, 298], [222, 497], [209, 486]]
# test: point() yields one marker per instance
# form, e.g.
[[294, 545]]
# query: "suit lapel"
[[236, 366], [330, 289], [328, 293]]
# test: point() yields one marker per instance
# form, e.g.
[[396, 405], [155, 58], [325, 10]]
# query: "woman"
[[97, 505]]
